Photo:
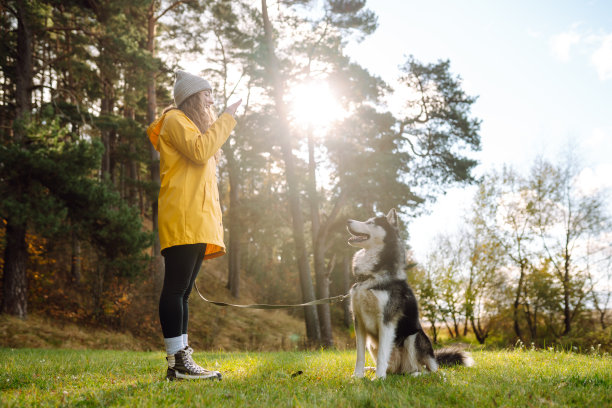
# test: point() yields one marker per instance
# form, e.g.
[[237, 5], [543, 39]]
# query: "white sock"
[[185, 344], [173, 345]]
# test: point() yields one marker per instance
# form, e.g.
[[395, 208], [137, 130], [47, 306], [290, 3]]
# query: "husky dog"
[[384, 307]]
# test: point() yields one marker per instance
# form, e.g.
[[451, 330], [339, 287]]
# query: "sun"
[[314, 104]]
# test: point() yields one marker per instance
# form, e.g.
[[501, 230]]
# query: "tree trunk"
[[104, 135], [14, 282], [347, 286], [106, 108], [602, 309], [322, 282], [480, 334], [567, 316], [318, 245], [233, 279], [158, 260], [435, 331], [132, 167], [531, 322], [312, 320], [450, 330], [24, 73], [75, 264], [14, 286], [469, 303], [517, 300], [98, 290], [455, 325]]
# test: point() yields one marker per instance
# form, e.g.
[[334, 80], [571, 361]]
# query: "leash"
[[265, 306]]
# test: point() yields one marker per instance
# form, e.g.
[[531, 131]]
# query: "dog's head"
[[372, 233]]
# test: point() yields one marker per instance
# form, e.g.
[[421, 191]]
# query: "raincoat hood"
[[154, 129]]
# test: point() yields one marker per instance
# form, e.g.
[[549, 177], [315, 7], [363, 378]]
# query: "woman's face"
[[207, 97]]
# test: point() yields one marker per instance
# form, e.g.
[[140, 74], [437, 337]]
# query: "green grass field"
[[35, 377]]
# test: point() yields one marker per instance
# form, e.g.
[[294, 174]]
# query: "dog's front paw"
[[358, 374], [381, 373]]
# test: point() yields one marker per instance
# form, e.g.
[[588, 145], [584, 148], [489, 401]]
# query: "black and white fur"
[[384, 307]]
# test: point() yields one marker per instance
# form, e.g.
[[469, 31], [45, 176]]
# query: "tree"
[[52, 85], [540, 298], [394, 149], [57, 185], [437, 127], [103, 68], [14, 300], [421, 279], [510, 221], [599, 274], [560, 204], [486, 293], [551, 230], [278, 91], [234, 55], [446, 267]]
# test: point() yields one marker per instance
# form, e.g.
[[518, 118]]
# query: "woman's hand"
[[232, 108]]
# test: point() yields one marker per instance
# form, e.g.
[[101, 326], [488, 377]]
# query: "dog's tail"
[[453, 355]]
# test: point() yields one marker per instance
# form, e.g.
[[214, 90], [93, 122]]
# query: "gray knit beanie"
[[187, 84]]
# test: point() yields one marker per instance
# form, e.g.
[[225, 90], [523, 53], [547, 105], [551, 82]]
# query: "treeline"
[[532, 261], [79, 83]]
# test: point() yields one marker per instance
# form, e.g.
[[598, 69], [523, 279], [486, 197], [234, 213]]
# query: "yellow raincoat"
[[189, 209]]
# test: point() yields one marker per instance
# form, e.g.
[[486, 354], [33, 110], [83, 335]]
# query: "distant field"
[[102, 378]]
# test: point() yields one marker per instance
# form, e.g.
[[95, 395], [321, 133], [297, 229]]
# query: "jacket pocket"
[[216, 205], [210, 204]]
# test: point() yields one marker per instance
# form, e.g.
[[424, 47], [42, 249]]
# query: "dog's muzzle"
[[356, 236]]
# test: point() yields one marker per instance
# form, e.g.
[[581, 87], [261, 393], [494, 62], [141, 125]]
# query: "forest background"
[[81, 80]]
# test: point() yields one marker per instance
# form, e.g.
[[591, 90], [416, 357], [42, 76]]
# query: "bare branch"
[[11, 10], [170, 7], [248, 99], [330, 267], [323, 230], [236, 86], [312, 49]]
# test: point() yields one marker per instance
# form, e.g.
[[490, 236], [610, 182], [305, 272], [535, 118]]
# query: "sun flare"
[[314, 103]]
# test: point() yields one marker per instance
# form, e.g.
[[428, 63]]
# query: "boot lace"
[[190, 364]]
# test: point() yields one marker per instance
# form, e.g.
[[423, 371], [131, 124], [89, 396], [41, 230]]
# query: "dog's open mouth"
[[357, 236]]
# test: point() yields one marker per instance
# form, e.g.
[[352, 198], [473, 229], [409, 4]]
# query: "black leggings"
[[182, 266]]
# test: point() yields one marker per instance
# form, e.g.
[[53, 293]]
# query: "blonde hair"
[[202, 115]]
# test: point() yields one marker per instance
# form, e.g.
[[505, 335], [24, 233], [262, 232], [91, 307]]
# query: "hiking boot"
[[189, 352], [182, 366]]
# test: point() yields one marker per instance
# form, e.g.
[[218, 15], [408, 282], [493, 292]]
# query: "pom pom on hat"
[[187, 84]]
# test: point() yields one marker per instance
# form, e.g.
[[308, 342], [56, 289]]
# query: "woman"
[[188, 138]]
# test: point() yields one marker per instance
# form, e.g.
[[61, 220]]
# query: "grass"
[[103, 378]]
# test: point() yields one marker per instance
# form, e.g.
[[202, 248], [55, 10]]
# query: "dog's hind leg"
[[424, 351], [360, 337], [386, 335], [410, 363]]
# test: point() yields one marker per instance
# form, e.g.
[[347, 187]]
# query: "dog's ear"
[[392, 218]]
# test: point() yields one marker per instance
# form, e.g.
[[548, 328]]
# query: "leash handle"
[[266, 306]]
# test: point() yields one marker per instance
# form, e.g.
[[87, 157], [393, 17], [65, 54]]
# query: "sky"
[[542, 71]]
